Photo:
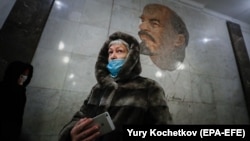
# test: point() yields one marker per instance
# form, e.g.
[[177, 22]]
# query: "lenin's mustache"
[[142, 32]]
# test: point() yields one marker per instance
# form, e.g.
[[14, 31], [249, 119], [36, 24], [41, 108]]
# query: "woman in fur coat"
[[120, 90]]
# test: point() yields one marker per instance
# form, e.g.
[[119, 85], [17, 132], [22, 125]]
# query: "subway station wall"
[[206, 89]]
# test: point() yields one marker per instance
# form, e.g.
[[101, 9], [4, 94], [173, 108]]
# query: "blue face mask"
[[114, 66]]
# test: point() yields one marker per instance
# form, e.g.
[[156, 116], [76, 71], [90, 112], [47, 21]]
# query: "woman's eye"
[[120, 51], [110, 52]]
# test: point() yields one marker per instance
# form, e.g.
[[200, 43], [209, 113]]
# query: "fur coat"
[[129, 98]]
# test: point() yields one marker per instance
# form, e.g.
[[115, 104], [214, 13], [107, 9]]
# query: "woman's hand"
[[82, 131]]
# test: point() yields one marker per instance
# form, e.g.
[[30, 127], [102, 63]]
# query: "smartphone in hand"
[[105, 123]]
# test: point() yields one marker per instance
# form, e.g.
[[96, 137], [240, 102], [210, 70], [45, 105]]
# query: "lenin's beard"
[[166, 57], [144, 49]]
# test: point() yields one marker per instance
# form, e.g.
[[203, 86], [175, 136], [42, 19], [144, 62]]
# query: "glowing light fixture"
[[71, 76], [61, 46], [158, 74], [66, 59]]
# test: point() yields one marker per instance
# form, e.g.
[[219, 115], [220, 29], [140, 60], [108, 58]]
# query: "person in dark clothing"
[[120, 90], [13, 98]]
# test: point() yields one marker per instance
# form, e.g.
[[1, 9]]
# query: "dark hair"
[[15, 69], [179, 26]]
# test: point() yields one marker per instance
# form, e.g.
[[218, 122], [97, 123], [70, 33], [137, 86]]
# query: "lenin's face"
[[158, 37], [155, 30]]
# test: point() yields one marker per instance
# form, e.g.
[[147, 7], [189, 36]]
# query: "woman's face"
[[23, 77], [117, 51]]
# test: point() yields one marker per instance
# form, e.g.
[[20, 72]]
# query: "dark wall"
[[21, 31], [242, 58]]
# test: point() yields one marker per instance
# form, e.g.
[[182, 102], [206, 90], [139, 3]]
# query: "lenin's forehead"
[[156, 10]]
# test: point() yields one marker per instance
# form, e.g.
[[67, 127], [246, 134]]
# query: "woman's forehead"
[[117, 45]]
